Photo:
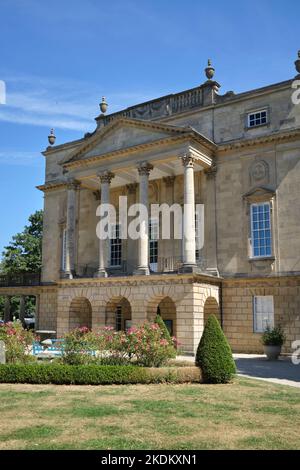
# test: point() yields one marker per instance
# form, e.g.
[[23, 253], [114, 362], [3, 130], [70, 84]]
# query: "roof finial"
[[103, 105], [209, 71], [51, 137]]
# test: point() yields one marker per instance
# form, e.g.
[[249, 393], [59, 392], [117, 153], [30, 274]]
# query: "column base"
[[142, 271], [101, 273], [190, 268], [66, 275]]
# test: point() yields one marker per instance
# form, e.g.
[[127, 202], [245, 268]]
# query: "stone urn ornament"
[[51, 137], [103, 105], [209, 71]]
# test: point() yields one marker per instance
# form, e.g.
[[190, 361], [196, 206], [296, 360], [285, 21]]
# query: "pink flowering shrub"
[[148, 346], [145, 346], [18, 342], [78, 346]]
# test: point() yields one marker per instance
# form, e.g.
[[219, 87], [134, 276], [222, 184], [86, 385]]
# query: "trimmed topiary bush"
[[164, 329], [214, 355]]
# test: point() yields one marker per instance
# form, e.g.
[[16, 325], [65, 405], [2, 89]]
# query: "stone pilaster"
[[37, 312], [131, 245], [210, 221], [72, 188], [105, 180], [7, 309], [22, 308], [167, 247]]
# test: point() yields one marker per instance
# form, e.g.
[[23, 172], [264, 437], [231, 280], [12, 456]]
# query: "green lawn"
[[247, 414]]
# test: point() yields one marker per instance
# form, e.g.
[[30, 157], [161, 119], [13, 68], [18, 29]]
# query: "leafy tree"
[[24, 253], [214, 355]]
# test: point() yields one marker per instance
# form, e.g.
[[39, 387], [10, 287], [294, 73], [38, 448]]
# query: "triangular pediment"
[[124, 134], [259, 192]]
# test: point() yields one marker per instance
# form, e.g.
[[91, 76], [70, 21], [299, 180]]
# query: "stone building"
[[239, 156]]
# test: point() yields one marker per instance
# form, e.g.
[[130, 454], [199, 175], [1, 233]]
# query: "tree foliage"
[[24, 253]]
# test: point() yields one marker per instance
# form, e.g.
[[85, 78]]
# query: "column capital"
[[211, 172], [188, 160], [131, 188], [105, 176], [169, 181], [145, 168], [72, 183]]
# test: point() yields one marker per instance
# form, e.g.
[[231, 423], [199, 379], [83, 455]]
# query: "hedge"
[[94, 374]]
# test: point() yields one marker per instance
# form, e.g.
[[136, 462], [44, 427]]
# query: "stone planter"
[[272, 352]]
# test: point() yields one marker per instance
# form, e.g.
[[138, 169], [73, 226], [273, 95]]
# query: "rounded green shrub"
[[214, 355]]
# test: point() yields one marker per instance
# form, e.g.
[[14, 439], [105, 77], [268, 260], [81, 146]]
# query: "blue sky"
[[58, 58]]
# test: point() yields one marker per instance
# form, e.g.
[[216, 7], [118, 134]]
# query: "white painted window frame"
[[253, 256], [155, 220], [112, 237], [266, 312], [251, 113]]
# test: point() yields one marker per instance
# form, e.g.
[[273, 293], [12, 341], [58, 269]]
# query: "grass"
[[248, 414]]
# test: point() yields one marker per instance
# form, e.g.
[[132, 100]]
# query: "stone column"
[[143, 253], [72, 186], [131, 245], [188, 239], [7, 307], [22, 309], [37, 312], [105, 180]]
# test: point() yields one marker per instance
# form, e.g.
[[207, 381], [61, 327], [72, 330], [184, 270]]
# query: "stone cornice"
[[276, 137], [67, 145], [141, 280], [52, 186], [249, 278], [137, 149]]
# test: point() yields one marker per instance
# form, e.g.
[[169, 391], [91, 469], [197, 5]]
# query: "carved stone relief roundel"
[[259, 172]]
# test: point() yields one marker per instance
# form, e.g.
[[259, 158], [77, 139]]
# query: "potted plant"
[[273, 339]]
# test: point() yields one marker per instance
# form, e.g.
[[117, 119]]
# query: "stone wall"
[[48, 310], [80, 313], [238, 310]]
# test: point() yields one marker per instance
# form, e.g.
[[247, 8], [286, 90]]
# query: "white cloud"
[[12, 157], [59, 103]]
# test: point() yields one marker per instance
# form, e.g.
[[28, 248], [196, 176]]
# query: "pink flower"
[[83, 329]]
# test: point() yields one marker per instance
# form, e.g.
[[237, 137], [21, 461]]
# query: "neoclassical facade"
[[237, 155]]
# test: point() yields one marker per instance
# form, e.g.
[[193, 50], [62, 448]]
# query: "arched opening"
[[166, 308], [118, 314], [211, 307], [80, 313]]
